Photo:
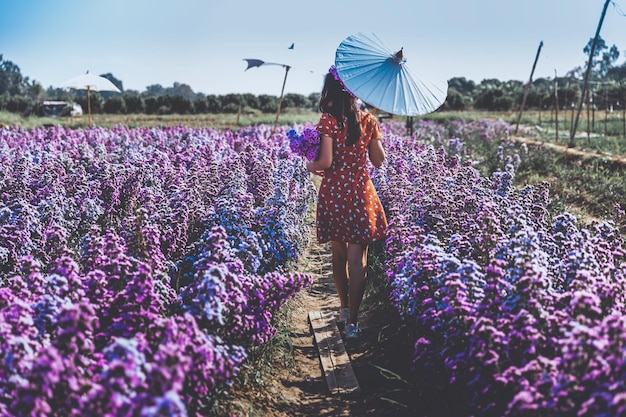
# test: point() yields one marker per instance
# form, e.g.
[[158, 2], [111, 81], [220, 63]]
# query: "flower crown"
[[333, 70]]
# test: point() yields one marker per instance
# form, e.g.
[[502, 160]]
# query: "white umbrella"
[[90, 82]]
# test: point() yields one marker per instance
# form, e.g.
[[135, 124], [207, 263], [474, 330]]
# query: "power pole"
[[572, 136], [530, 81]]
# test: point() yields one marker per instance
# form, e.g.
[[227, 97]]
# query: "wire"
[[619, 10]]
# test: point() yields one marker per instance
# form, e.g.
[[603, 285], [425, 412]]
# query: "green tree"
[[180, 104], [115, 105], [454, 100], [314, 99], [151, 103], [214, 103], [155, 89], [11, 78], [268, 104], [134, 103], [607, 56], [617, 73], [462, 86], [200, 104], [97, 102], [182, 90]]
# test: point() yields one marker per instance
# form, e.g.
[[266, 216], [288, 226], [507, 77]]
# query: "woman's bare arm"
[[376, 152], [325, 159]]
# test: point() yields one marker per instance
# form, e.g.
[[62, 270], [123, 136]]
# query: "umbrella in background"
[[90, 82], [381, 78]]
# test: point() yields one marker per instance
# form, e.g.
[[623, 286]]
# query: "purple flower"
[[305, 144]]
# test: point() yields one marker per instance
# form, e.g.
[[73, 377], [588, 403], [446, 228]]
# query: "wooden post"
[[280, 100], [588, 115], [572, 141], [624, 120], [606, 111], [89, 104], [556, 106], [624, 111], [572, 118], [530, 81], [593, 113]]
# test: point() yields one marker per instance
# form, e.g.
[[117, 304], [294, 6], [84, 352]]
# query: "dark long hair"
[[334, 100]]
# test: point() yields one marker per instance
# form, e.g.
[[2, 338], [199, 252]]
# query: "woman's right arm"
[[376, 152], [325, 158]]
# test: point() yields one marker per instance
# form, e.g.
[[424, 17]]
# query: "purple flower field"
[[517, 311], [138, 266]]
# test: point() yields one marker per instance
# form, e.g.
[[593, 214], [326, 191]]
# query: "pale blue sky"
[[203, 42]]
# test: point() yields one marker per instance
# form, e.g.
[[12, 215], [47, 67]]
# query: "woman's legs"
[[357, 261], [340, 271], [349, 274]]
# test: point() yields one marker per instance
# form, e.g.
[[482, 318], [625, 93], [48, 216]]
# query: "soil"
[[563, 148], [300, 389]]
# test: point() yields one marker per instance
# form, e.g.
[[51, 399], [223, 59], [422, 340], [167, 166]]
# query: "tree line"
[[19, 94]]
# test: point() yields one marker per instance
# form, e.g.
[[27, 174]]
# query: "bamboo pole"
[[280, 100], [89, 103], [572, 141], [556, 106], [530, 81], [588, 117], [606, 111], [624, 111]]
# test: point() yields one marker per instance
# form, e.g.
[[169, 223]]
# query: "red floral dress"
[[348, 207]]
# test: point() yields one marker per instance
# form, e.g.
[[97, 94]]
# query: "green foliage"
[[15, 104], [115, 105], [134, 103], [180, 105], [11, 79], [455, 100], [607, 56]]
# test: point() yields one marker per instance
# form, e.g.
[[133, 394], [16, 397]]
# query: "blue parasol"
[[381, 78]]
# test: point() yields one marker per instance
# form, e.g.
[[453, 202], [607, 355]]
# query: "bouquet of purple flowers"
[[305, 144]]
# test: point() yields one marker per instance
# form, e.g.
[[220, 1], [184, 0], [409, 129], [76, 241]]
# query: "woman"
[[349, 212]]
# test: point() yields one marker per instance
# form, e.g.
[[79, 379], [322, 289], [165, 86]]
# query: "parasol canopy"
[[90, 82], [381, 78]]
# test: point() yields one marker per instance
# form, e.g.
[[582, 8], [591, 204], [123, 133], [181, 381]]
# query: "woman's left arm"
[[325, 159]]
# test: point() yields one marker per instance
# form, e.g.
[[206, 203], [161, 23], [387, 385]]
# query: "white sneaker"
[[344, 315], [352, 331]]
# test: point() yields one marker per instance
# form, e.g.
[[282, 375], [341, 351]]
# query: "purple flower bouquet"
[[305, 144]]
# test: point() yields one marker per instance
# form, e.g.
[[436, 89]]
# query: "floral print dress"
[[348, 207]]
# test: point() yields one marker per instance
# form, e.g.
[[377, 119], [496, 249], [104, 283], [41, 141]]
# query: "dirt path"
[[572, 151], [301, 390]]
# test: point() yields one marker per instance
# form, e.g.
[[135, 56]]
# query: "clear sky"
[[203, 43]]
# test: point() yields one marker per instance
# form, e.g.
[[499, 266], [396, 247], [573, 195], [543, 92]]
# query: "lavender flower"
[[305, 144]]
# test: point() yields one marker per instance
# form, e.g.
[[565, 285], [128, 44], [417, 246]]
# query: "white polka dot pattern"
[[348, 207]]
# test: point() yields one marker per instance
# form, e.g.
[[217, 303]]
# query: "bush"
[[115, 105], [134, 103], [180, 105], [17, 104]]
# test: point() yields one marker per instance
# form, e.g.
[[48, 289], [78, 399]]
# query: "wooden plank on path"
[[333, 356]]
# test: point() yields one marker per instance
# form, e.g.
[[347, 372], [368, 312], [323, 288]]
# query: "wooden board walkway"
[[333, 356]]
